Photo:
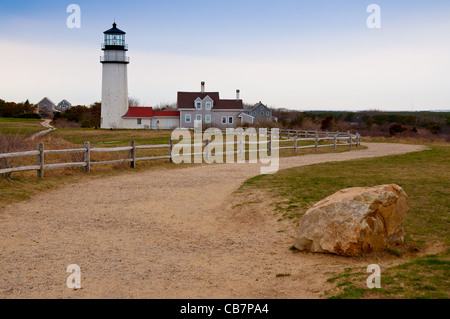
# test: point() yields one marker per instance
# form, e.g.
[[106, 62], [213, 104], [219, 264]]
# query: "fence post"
[[295, 144], [133, 154], [207, 150], [170, 150], [317, 141], [40, 160], [241, 147], [269, 147], [335, 142], [87, 157], [350, 140]]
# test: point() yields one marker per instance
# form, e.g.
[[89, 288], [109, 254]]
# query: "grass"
[[425, 177], [25, 185], [22, 127], [426, 277], [111, 138]]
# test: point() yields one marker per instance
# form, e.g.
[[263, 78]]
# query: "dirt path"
[[47, 125], [161, 234]]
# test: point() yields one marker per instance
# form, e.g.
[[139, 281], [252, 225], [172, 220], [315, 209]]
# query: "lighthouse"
[[115, 78]]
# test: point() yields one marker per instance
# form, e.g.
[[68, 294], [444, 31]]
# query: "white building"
[[115, 79], [115, 113]]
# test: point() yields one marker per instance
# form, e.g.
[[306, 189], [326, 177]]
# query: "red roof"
[[141, 112], [186, 101], [147, 112]]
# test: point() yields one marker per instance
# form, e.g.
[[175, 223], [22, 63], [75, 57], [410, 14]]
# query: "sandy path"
[[161, 234], [47, 125]]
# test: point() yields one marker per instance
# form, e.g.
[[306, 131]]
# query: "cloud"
[[388, 69], [31, 71]]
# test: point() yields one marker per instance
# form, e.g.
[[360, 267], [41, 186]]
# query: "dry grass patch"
[[425, 177]]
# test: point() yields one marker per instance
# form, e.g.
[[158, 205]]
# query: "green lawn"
[[111, 138], [425, 177], [23, 127]]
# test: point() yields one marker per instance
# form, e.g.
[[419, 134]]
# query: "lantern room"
[[114, 39]]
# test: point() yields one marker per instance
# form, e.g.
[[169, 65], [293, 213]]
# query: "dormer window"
[[208, 106], [198, 105]]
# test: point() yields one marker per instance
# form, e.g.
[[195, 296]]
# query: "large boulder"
[[355, 221]]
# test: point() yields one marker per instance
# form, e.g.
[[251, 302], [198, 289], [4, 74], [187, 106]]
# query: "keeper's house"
[[210, 109]]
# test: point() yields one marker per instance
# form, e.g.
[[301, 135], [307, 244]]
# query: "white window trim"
[[197, 117], [186, 118], [208, 106], [232, 120], [208, 117], [201, 106], [139, 121], [224, 118]]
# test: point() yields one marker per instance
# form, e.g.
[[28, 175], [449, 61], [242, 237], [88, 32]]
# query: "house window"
[[254, 113], [208, 106], [139, 121], [267, 113], [199, 117], [198, 105], [262, 113], [224, 120], [208, 118], [188, 118], [230, 120]]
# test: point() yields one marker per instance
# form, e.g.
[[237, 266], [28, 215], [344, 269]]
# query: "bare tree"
[[166, 106], [132, 101]]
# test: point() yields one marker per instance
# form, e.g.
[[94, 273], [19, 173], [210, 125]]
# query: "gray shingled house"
[[64, 105], [259, 112], [46, 107], [209, 108]]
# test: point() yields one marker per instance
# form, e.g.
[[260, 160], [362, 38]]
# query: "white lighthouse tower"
[[115, 78]]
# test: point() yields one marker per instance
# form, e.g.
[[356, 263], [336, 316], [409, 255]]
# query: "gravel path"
[[162, 234], [47, 125]]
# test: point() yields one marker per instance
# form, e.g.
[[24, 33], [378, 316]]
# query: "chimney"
[[203, 87], [238, 92]]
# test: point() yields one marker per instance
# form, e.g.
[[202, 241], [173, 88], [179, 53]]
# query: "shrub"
[[397, 128], [434, 128], [28, 116], [326, 123], [11, 144]]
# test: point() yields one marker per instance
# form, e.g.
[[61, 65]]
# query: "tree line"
[[87, 117], [18, 110], [388, 122]]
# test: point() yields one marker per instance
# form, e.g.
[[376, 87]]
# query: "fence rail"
[[286, 136]]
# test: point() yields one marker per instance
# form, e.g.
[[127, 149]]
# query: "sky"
[[296, 54]]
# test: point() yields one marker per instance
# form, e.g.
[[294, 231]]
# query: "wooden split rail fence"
[[285, 137]]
